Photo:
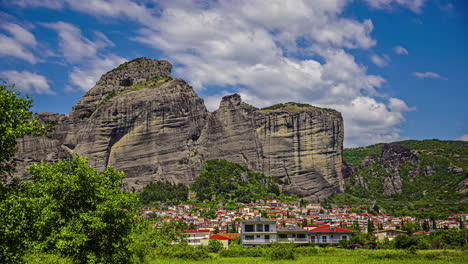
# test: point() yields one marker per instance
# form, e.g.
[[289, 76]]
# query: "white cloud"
[[413, 5], [20, 34], [463, 138], [84, 54], [73, 45], [428, 75], [27, 82], [252, 47], [400, 50], [380, 61], [18, 44], [52, 4], [243, 45]]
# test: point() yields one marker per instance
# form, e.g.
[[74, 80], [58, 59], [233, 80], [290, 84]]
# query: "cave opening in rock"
[[126, 82]]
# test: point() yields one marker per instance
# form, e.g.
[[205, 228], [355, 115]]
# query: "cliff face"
[[140, 120]]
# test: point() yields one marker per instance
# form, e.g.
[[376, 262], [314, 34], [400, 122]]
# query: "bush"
[[280, 251], [183, 251], [239, 251], [44, 258], [214, 246], [306, 251]]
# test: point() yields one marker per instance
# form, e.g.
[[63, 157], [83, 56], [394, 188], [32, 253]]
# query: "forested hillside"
[[424, 178]]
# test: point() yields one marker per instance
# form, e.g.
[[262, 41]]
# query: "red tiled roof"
[[219, 237], [228, 236], [196, 231], [327, 229]]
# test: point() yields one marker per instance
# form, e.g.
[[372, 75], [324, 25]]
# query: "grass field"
[[347, 257]]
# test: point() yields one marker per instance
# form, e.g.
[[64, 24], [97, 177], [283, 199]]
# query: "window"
[[282, 236], [249, 237], [267, 228], [344, 237], [258, 236], [259, 228], [249, 228], [301, 235], [267, 237], [312, 238], [324, 238]]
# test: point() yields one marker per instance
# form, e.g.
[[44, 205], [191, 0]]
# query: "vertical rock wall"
[[140, 120]]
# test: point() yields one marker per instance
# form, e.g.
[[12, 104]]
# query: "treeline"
[[164, 191]]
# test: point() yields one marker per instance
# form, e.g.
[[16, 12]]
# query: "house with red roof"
[[326, 234]]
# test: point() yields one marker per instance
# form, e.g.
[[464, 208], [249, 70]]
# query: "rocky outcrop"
[[140, 120]]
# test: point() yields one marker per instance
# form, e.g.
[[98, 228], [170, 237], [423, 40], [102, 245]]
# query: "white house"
[[292, 234], [258, 231], [327, 234]]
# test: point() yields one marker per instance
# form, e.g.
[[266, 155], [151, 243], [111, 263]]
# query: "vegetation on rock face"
[[125, 64], [223, 180], [71, 210], [16, 121], [294, 107], [164, 191], [430, 188]]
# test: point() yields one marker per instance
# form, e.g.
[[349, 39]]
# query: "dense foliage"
[[430, 195], [16, 121], [223, 180], [164, 191], [71, 210]]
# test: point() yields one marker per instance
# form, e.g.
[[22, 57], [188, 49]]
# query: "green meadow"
[[346, 256]]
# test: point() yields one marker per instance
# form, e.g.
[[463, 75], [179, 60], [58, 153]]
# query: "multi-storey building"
[[258, 231]]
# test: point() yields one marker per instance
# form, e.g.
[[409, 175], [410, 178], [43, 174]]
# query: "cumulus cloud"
[[380, 61], [269, 51], [400, 50], [413, 5], [84, 54], [244, 46], [74, 46], [18, 43], [28, 82], [428, 75], [463, 138]]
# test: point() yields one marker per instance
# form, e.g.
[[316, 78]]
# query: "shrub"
[[214, 246], [183, 251], [280, 251]]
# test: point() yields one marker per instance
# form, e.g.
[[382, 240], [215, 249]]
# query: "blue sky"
[[396, 69]]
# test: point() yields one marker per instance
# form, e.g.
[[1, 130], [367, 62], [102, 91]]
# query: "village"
[[267, 221]]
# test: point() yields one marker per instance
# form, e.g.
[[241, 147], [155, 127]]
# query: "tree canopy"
[[226, 180], [16, 121], [68, 209]]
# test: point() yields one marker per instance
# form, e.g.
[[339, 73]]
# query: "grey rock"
[[368, 161], [393, 156], [139, 120]]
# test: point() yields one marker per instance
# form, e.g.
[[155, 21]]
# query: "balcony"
[[293, 240], [328, 241], [257, 241]]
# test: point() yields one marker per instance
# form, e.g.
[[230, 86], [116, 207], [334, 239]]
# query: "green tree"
[[163, 191], [214, 246], [227, 181], [70, 209], [16, 121]]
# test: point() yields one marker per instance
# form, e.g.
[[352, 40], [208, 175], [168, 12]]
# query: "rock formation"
[[140, 120]]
